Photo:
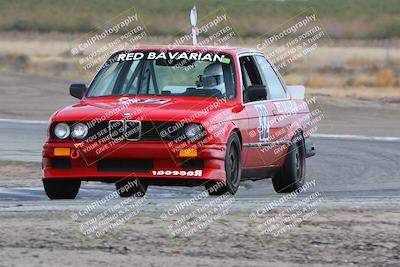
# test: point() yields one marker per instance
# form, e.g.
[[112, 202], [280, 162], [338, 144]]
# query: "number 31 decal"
[[263, 121]]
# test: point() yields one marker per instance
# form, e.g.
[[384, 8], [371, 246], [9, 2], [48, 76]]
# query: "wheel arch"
[[237, 131], [231, 127], [295, 130]]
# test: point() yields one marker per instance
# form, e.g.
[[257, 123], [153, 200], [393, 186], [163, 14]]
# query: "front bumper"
[[151, 162]]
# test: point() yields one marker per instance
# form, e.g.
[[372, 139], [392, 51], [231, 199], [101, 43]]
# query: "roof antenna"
[[193, 21]]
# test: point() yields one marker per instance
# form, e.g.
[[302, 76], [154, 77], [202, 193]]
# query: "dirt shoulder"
[[327, 239], [33, 97], [20, 174], [369, 117]]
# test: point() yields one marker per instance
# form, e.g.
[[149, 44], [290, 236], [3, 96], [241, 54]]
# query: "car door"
[[283, 109], [259, 117]]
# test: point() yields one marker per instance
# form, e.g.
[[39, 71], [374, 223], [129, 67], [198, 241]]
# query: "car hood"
[[142, 108]]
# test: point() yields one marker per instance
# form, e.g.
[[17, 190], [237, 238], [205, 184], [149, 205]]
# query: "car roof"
[[222, 49]]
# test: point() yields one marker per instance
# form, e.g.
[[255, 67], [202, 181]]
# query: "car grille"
[[128, 129], [116, 130], [133, 130]]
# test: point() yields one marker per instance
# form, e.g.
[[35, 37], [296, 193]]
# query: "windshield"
[[173, 73]]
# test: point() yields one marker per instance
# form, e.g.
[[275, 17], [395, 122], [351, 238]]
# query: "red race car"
[[180, 116]]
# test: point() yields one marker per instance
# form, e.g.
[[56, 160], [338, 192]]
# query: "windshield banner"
[[173, 55]]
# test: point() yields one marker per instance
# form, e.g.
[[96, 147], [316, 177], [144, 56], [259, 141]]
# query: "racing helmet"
[[213, 77]]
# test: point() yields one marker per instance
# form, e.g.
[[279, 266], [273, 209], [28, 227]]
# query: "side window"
[[250, 74], [269, 77]]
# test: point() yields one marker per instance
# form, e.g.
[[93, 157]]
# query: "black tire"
[[292, 175], [129, 188], [61, 189], [233, 163]]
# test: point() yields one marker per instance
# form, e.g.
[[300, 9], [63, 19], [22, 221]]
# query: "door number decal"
[[263, 121]]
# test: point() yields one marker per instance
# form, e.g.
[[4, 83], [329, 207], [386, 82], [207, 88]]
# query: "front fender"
[[219, 133]]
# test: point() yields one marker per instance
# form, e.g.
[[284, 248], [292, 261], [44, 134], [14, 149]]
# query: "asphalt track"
[[349, 171]]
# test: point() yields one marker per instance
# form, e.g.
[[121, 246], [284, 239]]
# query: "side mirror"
[[77, 90], [256, 92]]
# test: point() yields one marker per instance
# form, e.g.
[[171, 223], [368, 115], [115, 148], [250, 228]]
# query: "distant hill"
[[341, 18]]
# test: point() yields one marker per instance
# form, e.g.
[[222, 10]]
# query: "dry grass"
[[384, 78], [316, 81], [326, 67], [357, 61]]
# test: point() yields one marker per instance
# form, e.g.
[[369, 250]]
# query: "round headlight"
[[193, 132], [62, 130], [79, 131]]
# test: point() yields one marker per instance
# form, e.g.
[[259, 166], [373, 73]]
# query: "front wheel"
[[232, 169], [61, 189], [292, 175]]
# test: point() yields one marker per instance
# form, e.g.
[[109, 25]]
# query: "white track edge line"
[[24, 121], [356, 137]]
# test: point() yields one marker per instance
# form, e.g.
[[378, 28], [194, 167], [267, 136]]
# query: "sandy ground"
[[20, 174], [33, 97], [368, 117], [340, 238]]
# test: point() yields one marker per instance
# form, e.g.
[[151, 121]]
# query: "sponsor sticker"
[[263, 122], [177, 55], [127, 100], [177, 173]]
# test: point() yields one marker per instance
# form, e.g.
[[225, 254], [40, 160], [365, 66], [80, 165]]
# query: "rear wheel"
[[232, 169], [130, 188], [292, 175], [61, 189]]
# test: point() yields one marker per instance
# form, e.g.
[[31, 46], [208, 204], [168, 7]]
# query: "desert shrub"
[[358, 80], [315, 81], [384, 77], [14, 61]]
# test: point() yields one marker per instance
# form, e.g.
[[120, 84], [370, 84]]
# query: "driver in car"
[[213, 78]]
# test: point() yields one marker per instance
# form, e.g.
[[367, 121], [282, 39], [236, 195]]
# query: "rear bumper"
[[153, 162]]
